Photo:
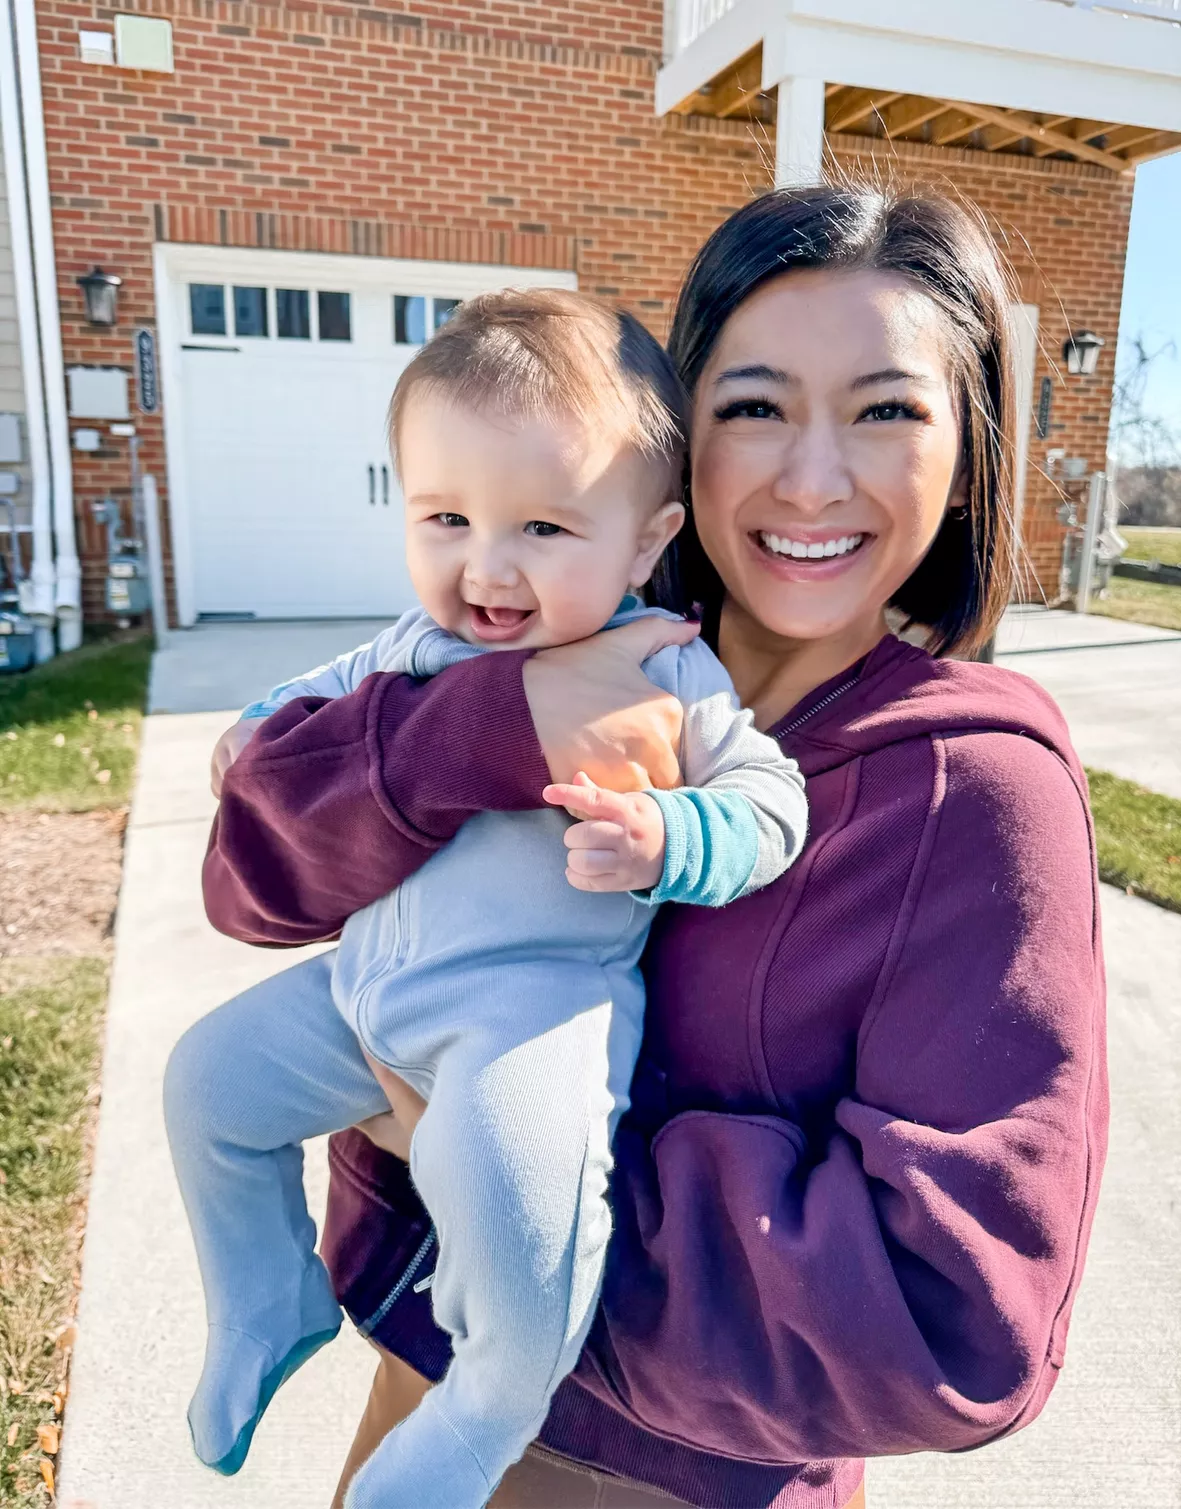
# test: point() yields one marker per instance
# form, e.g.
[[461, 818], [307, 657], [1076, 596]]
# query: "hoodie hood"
[[900, 692]]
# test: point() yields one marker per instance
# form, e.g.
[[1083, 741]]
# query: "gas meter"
[[128, 593]]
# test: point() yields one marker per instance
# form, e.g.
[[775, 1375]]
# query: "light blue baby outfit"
[[514, 1003]]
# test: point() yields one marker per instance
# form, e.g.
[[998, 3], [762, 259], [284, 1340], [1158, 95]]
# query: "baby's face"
[[524, 533]]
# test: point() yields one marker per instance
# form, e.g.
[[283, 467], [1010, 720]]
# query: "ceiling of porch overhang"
[[737, 94]]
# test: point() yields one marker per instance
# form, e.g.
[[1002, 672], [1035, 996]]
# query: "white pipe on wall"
[[24, 282], [69, 571]]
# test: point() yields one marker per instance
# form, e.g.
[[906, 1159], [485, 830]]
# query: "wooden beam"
[[739, 88], [866, 102], [953, 124], [1122, 138], [831, 89], [999, 137], [909, 113], [1162, 145], [1056, 141]]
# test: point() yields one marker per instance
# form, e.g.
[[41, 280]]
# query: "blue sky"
[[1152, 284]]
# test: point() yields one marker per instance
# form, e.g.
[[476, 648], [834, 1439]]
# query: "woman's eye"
[[749, 408], [892, 409], [452, 520], [539, 529]]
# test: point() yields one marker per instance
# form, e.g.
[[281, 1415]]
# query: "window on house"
[[409, 320], [293, 314], [207, 308], [444, 309], [250, 311], [334, 314]]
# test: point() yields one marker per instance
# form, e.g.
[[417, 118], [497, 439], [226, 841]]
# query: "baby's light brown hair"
[[547, 354]]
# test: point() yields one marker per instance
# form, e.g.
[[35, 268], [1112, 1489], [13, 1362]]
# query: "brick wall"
[[503, 131]]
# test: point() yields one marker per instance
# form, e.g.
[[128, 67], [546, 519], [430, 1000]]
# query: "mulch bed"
[[59, 882]]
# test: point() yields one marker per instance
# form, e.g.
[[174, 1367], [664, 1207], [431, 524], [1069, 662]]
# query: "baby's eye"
[[540, 529], [749, 408], [451, 520]]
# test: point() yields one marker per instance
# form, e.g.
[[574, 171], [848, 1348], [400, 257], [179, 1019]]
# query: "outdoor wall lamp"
[[101, 290], [1081, 352]]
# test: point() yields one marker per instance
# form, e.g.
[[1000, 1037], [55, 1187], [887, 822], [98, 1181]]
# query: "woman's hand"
[[595, 711], [393, 1129]]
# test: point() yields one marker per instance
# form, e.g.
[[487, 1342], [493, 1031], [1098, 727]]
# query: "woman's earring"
[[960, 511]]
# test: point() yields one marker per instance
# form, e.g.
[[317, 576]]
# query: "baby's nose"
[[492, 565]]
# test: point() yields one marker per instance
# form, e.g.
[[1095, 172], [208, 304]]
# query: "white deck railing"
[[692, 17]]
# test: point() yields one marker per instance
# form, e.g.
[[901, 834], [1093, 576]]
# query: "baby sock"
[[244, 1369], [421, 1464]]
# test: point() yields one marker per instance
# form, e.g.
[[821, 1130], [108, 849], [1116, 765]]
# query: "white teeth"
[[799, 551]]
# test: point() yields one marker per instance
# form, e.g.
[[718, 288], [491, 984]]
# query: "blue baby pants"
[[524, 1056]]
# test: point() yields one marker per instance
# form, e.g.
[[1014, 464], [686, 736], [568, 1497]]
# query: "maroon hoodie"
[[853, 1197]]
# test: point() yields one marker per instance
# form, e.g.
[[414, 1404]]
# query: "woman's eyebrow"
[[892, 374], [756, 372]]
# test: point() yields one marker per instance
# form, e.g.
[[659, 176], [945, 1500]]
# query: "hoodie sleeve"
[[333, 803], [902, 1279]]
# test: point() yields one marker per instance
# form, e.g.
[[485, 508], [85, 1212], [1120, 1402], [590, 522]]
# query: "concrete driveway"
[[1108, 1436], [1118, 683]]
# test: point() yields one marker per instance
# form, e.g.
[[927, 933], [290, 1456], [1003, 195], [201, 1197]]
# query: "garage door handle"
[[372, 486], [385, 486]]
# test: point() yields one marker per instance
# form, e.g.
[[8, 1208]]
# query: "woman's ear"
[[957, 498], [661, 528]]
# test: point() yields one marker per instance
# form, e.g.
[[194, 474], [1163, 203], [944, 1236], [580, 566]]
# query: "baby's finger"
[[592, 836], [588, 802], [608, 882], [592, 861]]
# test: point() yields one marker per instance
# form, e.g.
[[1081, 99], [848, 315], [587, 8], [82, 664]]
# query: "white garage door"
[[278, 371]]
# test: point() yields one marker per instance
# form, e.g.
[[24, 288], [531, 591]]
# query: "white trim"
[[1025, 349], [25, 290], [1022, 54], [68, 593], [799, 133], [177, 264]]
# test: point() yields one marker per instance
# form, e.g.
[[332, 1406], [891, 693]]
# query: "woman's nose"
[[813, 469]]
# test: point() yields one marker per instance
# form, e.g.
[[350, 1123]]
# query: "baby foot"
[[243, 1373], [421, 1464]]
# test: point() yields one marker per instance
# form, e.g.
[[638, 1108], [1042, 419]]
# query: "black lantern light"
[[1081, 352], [102, 296]]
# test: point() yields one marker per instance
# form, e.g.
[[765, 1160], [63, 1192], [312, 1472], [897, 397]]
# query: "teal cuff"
[[711, 847]]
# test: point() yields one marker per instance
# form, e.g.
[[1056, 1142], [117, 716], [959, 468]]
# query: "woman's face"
[[826, 449]]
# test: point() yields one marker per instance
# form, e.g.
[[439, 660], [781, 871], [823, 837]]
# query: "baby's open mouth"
[[499, 624]]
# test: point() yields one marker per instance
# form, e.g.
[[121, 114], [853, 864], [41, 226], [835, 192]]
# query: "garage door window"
[[334, 316], [207, 308], [444, 309], [250, 311], [292, 314]]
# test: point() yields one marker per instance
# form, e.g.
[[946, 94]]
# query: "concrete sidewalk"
[[1107, 1438], [141, 1322], [1119, 685]]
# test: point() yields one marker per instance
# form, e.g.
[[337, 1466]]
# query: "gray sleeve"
[[723, 754]]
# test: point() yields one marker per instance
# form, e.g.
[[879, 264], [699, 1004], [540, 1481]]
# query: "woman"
[[854, 1192]]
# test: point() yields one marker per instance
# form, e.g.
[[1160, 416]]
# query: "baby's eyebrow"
[[755, 372]]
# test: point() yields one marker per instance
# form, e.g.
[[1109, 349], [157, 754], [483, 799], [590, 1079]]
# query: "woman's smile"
[[809, 555]]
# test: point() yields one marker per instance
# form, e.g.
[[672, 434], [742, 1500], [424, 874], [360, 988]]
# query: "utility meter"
[[128, 594], [17, 637]]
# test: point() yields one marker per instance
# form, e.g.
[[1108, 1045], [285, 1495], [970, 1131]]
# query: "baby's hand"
[[228, 748], [618, 845]]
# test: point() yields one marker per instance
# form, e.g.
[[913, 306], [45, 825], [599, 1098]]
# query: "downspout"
[[68, 595], [24, 284]]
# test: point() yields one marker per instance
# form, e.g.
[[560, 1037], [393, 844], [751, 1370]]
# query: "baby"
[[540, 443]]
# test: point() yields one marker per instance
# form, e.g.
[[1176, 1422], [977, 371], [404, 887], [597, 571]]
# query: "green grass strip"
[[69, 729], [51, 1013], [1139, 838]]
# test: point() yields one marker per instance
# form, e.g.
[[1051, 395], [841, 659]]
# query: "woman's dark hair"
[[962, 585]]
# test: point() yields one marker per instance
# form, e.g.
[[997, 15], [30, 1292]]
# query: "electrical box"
[[98, 393], [10, 440], [143, 42], [96, 47]]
